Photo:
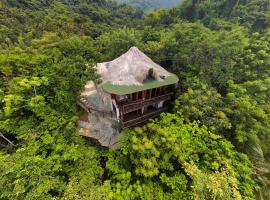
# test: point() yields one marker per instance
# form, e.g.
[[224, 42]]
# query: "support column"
[[122, 113], [143, 98], [143, 94]]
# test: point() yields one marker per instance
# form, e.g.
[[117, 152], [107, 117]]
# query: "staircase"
[[85, 104]]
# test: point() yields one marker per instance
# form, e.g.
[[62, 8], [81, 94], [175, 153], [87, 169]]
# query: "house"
[[134, 89]]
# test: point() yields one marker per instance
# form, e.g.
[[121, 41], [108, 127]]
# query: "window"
[[122, 97]]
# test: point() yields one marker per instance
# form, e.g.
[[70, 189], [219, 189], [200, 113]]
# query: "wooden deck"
[[135, 119], [136, 105]]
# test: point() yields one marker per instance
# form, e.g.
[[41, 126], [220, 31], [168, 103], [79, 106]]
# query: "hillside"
[[151, 4], [30, 19], [253, 14], [214, 141]]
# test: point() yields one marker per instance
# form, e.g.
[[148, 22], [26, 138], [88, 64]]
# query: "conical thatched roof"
[[132, 70]]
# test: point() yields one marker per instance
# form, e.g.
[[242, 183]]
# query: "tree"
[[159, 151], [39, 112]]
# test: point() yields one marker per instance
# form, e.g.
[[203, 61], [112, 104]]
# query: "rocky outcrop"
[[100, 128], [95, 122]]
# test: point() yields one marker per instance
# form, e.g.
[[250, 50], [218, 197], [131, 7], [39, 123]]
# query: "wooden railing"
[[143, 118], [136, 105]]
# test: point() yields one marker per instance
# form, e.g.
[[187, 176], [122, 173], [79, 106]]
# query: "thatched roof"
[[130, 72]]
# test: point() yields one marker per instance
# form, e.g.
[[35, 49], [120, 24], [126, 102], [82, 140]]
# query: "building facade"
[[134, 89]]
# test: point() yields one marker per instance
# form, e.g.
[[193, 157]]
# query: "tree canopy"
[[214, 142]]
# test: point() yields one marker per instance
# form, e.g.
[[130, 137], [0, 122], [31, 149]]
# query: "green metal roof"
[[126, 89]]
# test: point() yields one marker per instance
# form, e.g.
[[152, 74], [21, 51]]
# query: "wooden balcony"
[[136, 105], [133, 120]]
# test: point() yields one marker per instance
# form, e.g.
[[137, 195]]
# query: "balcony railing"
[[136, 105], [142, 118]]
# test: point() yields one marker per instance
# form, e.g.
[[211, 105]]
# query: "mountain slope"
[[252, 13], [31, 18], [151, 4]]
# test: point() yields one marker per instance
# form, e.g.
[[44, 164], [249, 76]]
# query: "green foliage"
[[255, 59], [251, 13], [219, 50], [86, 179], [23, 20], [113, 44], [159, 152], [216, 185], [190, 49], [205, 104], [40, 91]]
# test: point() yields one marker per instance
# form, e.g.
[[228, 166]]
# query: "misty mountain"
[[151, 4]]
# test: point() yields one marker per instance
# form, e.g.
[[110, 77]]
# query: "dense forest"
[[151, 4], [214, 143]]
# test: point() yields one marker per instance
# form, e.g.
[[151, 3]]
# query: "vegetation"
[[213, 145], [174, 159], [151, 4]]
